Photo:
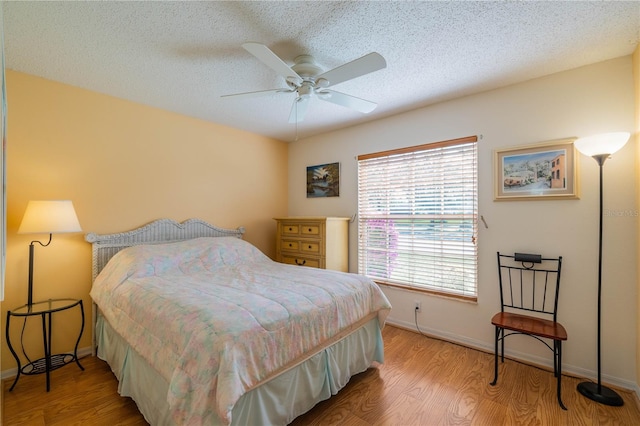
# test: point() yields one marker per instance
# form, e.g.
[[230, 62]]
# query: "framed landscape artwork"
[[323, 180], [544, 171]]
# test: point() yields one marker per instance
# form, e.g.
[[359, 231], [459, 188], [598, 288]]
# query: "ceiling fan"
[[307, 80]]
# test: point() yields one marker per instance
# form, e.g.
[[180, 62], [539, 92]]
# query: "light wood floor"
[[423, 382]]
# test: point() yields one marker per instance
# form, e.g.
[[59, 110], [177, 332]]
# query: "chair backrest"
[[529, 282]]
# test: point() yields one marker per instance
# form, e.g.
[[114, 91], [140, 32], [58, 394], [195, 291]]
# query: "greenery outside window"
[[417, 217]]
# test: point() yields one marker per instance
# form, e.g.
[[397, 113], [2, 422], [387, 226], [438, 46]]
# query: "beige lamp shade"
[[605, 143], [49, 217]]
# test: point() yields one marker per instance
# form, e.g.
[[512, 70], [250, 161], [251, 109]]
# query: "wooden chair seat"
[[530, 325]]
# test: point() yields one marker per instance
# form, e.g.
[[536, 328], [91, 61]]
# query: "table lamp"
[[47, 217]]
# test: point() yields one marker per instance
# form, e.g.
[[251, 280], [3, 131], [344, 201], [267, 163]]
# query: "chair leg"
[[555, 358], [495, 356], [558, 344], [502, 343]]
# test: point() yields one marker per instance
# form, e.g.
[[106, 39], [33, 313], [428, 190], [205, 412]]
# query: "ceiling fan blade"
[[356, 68], [348, 101], [257, 94], [272, 60], [299, 109]]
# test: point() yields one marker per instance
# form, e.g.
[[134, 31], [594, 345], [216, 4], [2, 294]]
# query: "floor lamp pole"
[[596, 391]]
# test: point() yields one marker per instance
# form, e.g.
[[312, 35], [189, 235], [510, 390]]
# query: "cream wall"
[[589, 100], [123, 165]]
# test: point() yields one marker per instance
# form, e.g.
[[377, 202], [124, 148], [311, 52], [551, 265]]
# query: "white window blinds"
[[417, 217]]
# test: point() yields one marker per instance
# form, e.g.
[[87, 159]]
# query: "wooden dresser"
[[317, 242]]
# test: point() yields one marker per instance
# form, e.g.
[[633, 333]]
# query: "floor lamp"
[[600, 147], [46, 217]]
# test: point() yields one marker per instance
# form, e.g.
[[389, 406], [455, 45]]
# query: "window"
[[417, 217]]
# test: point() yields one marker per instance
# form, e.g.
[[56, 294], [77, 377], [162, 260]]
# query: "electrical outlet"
[[418, 306]]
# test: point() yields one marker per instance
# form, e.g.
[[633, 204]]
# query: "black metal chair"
[[529, 288]]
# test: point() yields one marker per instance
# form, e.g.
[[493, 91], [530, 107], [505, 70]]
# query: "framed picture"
[[544, 171], [323, 180]]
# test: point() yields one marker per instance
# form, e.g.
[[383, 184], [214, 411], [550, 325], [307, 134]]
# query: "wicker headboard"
[[160, 231]]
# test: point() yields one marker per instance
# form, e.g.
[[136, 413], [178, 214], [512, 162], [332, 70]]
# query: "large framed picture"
[[323, 180], [544, 171]]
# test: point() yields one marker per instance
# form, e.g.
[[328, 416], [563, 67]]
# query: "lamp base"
[[606, 395]]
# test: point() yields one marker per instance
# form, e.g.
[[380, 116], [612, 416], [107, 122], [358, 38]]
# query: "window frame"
[[384, 219]]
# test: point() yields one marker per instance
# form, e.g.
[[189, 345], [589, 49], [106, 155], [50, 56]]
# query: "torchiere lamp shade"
[[605, 143]]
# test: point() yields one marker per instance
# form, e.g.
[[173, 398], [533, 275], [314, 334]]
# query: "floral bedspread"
[[216, 317]]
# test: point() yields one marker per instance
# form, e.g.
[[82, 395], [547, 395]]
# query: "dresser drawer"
[[310, 230], [290, 229], [290, 245], [310, 247], [301, 261]]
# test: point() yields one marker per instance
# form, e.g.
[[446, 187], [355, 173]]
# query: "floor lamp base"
[[605, 396]]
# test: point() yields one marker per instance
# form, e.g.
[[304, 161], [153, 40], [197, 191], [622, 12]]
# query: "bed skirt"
[[276, 402]]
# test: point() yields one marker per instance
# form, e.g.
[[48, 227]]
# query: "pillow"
[[182, 257]]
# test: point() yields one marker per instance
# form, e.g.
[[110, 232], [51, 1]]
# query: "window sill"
[[443, 294]]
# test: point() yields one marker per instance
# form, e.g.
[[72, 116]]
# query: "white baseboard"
[[11, 373], [520, 356]]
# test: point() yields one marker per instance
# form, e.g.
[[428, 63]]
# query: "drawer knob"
[[309, 246], [290, 245], [301, 264], [309, 229], [290, 229]]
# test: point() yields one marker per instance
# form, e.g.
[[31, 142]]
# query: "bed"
[[201, 328]]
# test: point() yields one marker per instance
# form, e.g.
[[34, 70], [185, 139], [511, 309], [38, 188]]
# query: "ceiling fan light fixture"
[[305, 90], [321, 83]]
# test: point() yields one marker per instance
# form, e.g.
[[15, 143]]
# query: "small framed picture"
[[544, 171], [323, 180]]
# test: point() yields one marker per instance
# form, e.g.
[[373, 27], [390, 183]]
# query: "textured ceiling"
[[182, 56]]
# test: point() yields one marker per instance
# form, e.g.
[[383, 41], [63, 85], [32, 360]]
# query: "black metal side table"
[[49, 362]]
